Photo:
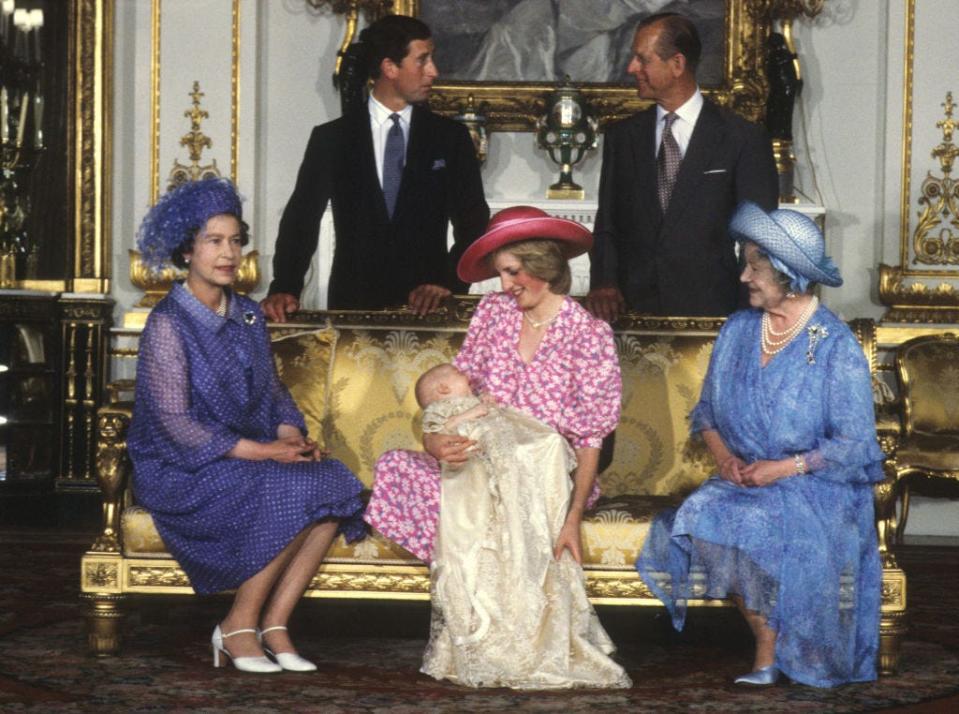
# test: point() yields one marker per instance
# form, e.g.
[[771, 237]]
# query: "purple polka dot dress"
[[203, 383]]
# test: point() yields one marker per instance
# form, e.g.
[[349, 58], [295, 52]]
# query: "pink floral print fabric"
[[573, 384]]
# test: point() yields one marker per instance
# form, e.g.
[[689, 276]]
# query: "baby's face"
[[457, 383]]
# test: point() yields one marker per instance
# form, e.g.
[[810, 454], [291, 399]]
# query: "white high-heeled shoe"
[[260, 665], [289, 661]]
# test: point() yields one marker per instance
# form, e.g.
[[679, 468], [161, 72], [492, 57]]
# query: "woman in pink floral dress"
[[530, 347]]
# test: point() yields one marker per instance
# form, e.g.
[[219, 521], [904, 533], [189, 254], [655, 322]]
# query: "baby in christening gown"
[[506, 613]]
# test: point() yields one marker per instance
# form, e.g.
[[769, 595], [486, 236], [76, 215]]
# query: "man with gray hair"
[[672, 176]]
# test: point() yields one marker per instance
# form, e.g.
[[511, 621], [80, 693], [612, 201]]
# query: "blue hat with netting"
[[180, 213], [790, 239]]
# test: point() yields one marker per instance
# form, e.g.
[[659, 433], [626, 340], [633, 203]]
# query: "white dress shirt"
[[380, 125], [686, 116]]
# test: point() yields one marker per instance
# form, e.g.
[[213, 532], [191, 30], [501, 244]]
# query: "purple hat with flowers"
[[180, 213]]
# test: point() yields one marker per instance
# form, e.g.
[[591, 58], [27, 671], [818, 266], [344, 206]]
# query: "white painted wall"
[[848, 130]]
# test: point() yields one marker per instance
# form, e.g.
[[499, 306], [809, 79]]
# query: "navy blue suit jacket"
[[377, 260], [682, 263]]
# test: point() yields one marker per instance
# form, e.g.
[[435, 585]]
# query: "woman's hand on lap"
[[731, 469], [763, 472]]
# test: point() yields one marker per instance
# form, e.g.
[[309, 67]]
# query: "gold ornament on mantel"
[[195, 141], [939, 196]]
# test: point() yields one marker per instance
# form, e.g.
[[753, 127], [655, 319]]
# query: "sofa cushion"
[[662, 377], [140, 537], [304, 362], [613, 534]]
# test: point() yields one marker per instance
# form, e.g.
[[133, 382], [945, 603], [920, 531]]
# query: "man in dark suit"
[[672, 176], [396, 175]]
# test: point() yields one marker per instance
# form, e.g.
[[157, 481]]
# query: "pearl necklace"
[[220, 309], [770, 344], [536, 324]]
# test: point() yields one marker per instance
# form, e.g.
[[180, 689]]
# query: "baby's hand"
[[488, 399]]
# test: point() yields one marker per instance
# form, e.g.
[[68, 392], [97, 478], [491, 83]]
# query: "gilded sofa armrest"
[[113, 467], [884, 494]]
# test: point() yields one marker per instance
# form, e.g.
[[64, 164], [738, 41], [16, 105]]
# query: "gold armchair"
[[928, 372]]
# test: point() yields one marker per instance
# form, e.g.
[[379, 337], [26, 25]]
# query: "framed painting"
[[509, 54]]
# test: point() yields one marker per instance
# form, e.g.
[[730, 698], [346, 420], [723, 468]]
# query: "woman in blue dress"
[[239, 494], [786, 526]]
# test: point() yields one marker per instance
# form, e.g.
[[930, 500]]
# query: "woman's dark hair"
[[389, 38], [186, 246], [678, 35], [544, 259]]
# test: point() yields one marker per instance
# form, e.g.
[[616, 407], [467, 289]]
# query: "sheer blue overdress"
[[802, 551], [203, 383]]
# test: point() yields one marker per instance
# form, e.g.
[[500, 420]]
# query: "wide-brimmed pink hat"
[[515, 224]]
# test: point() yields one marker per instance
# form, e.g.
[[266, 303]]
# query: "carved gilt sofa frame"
[[352, 375]]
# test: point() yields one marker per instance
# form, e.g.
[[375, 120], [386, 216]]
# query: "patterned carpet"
[[369, 655]]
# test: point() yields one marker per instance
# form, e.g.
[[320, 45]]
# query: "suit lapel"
[[707, 135], [643, 139], [364, 162], [416, 154]]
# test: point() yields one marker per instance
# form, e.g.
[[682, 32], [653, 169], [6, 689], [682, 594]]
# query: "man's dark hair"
[[678, 34], [390, 37]]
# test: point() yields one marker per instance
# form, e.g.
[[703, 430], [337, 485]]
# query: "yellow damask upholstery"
[[927, 368], [304, 362], [140, 537]]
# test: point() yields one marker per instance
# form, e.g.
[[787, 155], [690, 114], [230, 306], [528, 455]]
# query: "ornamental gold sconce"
[[156, 284], [935, 242], [784, 75], [567, 131], [939, 196]]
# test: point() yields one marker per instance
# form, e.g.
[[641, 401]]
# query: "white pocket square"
[[439, 164], [715, 171]]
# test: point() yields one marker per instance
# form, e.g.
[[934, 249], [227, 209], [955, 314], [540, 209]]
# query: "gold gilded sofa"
[[353, 373]]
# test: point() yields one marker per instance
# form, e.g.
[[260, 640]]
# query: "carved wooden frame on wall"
[[515, 105]]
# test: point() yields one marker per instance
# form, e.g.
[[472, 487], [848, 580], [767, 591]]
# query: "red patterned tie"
[[667, 162]]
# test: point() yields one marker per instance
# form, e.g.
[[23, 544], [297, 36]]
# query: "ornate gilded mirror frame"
[[514, 106], [89, 71], [90, 142]]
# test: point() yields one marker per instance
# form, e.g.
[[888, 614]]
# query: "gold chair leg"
[[903, 510], [892, 629], [892, 621], [103, 623]]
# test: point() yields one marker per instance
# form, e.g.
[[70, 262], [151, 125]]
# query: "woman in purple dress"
[[239, 494]]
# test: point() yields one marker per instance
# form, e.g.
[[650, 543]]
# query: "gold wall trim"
[[91, 127], [910, 47], [155, 94], [155, 102], [235, 92]]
